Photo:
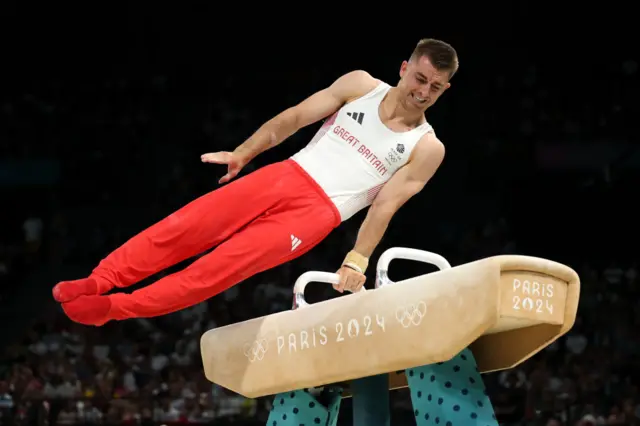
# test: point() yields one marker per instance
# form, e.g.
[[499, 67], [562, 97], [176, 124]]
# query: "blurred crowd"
[[118, 154]]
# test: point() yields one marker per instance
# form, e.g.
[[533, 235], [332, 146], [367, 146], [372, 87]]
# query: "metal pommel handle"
[[308, 277], [382, 268]]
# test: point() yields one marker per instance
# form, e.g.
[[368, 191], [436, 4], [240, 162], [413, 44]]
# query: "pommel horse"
[[435, 333]]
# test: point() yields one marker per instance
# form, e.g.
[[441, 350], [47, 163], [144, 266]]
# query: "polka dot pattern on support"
[[300, 408], [455, 393]]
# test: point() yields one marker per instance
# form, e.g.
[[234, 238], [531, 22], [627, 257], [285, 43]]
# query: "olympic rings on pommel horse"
[[435, 333]]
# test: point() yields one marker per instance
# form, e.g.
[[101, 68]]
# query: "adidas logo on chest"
[[357, 116]]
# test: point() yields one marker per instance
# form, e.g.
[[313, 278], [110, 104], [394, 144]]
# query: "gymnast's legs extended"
[[264, 219]]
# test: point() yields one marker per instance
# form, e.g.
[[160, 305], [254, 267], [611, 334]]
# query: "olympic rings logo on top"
[[256, 350], [411, 314]]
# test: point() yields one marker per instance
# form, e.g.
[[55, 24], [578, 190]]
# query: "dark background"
[[105, 110]]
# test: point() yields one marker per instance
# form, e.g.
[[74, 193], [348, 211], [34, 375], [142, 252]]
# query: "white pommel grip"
[[382, 268], [306, 278]]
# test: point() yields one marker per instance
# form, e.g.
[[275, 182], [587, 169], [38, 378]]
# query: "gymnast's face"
[[421, 83]]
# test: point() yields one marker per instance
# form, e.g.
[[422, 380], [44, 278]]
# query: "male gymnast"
[[375, 149]]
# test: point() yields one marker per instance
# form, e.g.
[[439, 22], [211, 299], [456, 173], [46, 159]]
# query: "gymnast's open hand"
[[234, 163], [350, 280]]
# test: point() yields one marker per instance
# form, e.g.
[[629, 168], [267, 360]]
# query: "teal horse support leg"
[[301, 408], [450, 393], [371, 401], [370, 405]]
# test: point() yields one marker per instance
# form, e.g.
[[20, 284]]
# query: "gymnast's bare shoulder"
[[325, 102], [354, 85]]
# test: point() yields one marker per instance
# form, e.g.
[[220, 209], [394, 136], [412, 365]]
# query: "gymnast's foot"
[[88, 310], [66, 291]]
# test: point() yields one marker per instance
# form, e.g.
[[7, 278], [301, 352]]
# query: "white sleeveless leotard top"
[[354, 154]]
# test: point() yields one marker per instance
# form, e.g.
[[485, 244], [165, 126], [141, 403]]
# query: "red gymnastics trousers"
[[262, 220]]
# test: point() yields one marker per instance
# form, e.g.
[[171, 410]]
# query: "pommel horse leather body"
[[505, 308]]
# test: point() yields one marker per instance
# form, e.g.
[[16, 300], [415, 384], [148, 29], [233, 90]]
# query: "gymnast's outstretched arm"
[[407, 182], [320, 105], [314, 108]]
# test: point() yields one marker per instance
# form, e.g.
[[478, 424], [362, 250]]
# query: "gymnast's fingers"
[[358, 283], [216, 157], [343, 280]]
